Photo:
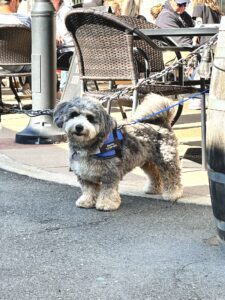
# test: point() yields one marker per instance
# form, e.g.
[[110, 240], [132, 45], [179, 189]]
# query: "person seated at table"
[[9, 15], [130, 8], [115, 6], [173, 15], [205, 12], [64, 39], [64, 42], [155, 11]]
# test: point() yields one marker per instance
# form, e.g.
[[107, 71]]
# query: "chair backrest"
[[155, 57], [15, 45], [104, 45]]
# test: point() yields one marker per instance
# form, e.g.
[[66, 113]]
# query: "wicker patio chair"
[[153, 57], [15, 50], [105, 49]]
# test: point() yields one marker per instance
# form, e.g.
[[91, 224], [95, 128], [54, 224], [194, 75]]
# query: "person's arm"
[[197, 17], [166, 21], [197, 12]]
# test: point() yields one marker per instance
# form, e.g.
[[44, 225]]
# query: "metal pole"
[[43, 55], [41, 129]]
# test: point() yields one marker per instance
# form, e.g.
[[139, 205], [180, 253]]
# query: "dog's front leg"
[[89, 195], [108, 197]]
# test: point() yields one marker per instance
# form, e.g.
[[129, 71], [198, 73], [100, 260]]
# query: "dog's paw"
[[85, 202], [108, 199], [173, 195], [107, 204]]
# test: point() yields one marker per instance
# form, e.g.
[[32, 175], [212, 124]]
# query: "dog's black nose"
[[79, 128]]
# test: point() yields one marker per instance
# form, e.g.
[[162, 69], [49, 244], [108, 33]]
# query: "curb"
[[10, 165], [126, 188]]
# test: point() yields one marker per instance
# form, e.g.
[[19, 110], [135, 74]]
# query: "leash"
[[181, 102]]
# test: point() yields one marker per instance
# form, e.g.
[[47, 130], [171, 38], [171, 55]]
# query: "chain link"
[[153, 78], [129, 90], [30, 112]]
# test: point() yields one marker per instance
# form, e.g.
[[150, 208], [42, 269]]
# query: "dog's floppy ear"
[[113, 123], [109, 122], [59, 113]]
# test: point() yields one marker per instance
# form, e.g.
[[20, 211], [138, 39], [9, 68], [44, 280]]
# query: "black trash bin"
[[216, 134]]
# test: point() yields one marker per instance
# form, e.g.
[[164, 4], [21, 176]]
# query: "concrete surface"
[[148, 249]]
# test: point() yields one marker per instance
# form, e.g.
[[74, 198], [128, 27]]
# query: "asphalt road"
[[148, 249]]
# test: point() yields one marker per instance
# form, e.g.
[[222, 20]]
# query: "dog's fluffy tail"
[[151, 104]]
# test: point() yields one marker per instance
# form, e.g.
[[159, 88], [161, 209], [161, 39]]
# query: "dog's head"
[[84, 120]]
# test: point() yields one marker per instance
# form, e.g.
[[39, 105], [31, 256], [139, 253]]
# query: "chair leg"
[[112, 85], [85, 88], [22, 80], [135, 101], [96, 85], [124, 115], [203, 125], [178, 114], [109, 104], [15, 92], [1, 102]]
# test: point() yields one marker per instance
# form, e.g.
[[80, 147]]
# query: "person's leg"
[[63, 80]]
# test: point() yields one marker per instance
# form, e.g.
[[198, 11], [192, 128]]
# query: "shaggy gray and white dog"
[[101, 154]]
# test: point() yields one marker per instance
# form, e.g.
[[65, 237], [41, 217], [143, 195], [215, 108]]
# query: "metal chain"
[[151, 79], [129, 90], [30, 113]]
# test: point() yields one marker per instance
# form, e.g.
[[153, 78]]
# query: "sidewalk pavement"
[[50, 162]]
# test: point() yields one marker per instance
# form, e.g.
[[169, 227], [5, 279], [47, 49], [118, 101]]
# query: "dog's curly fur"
[[150, 145]]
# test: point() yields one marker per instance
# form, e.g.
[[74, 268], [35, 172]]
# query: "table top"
[[169, 33], [191, 31]]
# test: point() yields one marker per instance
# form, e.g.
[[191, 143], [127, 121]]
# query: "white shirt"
[[15, 18], [61, 29]]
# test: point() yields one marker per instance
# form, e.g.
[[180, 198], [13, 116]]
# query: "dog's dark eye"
[[90, 118], [74, 114]]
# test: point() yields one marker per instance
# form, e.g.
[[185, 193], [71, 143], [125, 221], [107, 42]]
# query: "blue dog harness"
[[112, 145]]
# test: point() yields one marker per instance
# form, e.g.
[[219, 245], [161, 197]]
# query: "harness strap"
[[112, 145]]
